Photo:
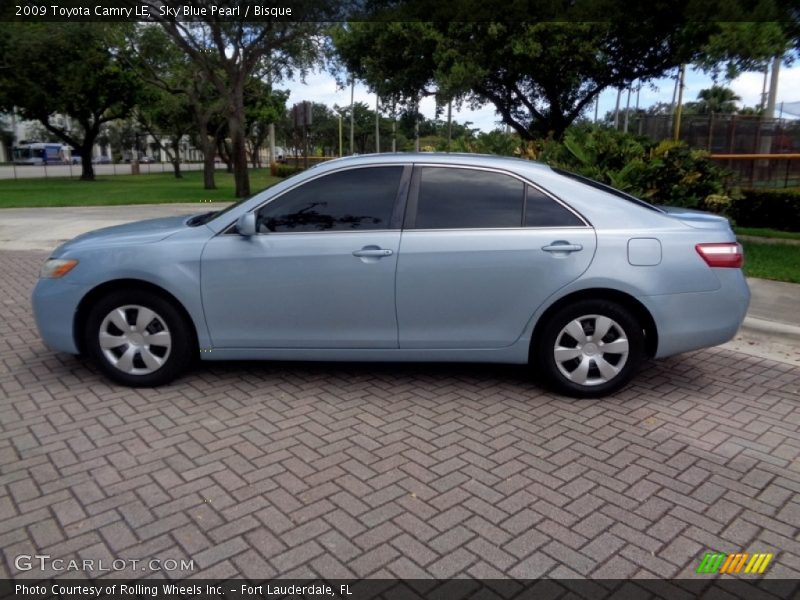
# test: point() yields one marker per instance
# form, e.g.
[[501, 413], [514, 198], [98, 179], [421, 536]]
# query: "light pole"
[[340, 135], [377, 124], [679, 108], [135, 154], [352, 114]]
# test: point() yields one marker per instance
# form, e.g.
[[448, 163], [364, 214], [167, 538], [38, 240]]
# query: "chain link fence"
[[733, 140]]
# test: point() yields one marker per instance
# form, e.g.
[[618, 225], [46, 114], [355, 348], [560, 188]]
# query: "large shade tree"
[[229, 52], [178, 100], [53, 70], [738, 46], [163, 115], [395, 59], [541, 64]]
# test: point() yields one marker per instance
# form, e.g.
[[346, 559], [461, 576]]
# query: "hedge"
[[776, 209], [281, 170]]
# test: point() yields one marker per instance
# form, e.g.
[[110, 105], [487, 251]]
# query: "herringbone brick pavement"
[[353, 470]]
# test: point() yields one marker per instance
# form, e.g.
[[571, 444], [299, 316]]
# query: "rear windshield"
[[607, 188]]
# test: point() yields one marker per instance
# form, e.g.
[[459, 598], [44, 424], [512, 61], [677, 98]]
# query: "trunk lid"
[[697, 218]]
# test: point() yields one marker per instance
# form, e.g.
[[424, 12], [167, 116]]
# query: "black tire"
[[168, 355], [597, 369]]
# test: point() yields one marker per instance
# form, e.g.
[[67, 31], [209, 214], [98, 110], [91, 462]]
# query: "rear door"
[[481, 250]]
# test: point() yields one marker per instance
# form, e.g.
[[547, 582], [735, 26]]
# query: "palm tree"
[[716, 99]]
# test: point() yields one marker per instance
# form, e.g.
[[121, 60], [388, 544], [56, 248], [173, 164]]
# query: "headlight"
[[54, 268]]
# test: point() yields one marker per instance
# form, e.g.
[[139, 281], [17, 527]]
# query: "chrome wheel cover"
[[591, 350], [135, 339]]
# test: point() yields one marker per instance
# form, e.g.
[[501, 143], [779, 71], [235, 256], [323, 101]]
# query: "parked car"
[[418, 257], [101, 160], [147, 160]]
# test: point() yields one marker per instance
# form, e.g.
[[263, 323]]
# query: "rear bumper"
[[691, 321]]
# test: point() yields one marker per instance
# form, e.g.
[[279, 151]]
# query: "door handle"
[[372, 252], [562, 247]]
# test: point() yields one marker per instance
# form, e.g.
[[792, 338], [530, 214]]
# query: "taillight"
[[727, 254]]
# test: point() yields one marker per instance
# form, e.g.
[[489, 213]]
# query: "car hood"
[[138, 232]]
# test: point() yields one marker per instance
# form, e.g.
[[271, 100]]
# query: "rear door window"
[[543, 211], [458, 198]]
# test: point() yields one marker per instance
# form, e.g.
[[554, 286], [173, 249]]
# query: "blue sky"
[[321, 87]]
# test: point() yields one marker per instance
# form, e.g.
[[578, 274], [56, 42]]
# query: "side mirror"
[[246, 224]]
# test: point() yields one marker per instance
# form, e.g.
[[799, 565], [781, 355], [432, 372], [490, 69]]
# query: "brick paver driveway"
[[335, 470]]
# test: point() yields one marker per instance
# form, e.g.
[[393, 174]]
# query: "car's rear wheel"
[[139, 339], [590, 349]]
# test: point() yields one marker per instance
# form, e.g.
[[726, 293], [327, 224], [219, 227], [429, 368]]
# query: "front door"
[[319, 274]]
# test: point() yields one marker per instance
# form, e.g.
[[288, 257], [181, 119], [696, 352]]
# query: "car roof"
[[447, 158]]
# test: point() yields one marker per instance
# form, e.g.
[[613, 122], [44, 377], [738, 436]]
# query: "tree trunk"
[[255, 151], [553, 126], [176, 158], [208, 164], [239, 152], [224, 152], [236, 133], [87, 168], [206, 144]]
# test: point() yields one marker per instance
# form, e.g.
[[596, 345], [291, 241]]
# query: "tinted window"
[[465, 198], [541, 211], [357, 199]]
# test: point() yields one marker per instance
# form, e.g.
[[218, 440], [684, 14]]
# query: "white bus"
[[38, 153]]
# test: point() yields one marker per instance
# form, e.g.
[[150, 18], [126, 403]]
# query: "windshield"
[[204, 218], [607, 188]]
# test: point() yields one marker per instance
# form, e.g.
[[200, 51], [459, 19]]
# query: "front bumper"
[[55, 303]]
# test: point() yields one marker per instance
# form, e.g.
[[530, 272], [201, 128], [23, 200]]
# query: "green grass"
[[780, 262], [769, 233], [157, 188]]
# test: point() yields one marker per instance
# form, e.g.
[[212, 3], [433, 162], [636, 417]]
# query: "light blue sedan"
[[403, 257]]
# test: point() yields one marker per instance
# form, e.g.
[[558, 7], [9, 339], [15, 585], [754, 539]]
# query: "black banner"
[[259, 11], [413, 589]]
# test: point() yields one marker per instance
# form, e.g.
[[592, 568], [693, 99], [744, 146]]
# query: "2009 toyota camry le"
[[403, 257]]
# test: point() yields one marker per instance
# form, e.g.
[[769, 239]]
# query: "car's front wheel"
[[590, 348], [138, 338]]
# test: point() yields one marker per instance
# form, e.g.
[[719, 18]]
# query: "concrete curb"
[[785, 331]]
